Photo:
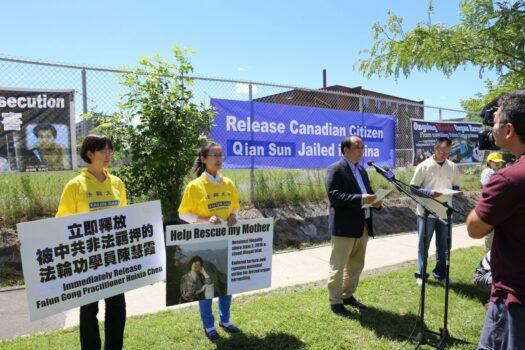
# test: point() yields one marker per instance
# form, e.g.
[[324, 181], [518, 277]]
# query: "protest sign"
[[206, 261], [37, 130], [464, 136], [263, 135], [78, 259]]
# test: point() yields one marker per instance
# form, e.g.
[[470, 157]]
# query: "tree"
[[490, 35], [158, 127]]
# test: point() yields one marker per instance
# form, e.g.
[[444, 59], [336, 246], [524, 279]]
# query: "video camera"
[[486, 138]]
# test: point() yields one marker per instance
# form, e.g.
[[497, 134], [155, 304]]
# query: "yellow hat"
[[495, 157]]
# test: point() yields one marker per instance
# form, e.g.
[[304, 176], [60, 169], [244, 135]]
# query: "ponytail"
[[199, 167]]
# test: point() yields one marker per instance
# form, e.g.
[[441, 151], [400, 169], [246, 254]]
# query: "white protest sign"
[[206, 261], [79, 259]]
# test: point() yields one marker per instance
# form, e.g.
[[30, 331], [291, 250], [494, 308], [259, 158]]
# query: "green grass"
[[299, 317], [25, 197]]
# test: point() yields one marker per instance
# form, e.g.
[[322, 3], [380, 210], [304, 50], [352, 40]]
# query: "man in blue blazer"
[[349, 224]]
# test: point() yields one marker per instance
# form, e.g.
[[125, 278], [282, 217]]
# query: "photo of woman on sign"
[[193, 285]]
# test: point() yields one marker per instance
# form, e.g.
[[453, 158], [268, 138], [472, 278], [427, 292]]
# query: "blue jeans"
[[441, 246], [504, 327], [224, 311]]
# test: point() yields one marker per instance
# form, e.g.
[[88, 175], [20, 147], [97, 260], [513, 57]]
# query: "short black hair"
[[442, 140], [513, 111], [93, 143], [42, 127], [347, 142], [195, 259]]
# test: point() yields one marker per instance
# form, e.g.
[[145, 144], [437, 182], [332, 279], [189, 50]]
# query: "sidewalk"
[[288, 269]]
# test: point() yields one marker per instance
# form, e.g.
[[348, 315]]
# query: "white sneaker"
[[419, 281]]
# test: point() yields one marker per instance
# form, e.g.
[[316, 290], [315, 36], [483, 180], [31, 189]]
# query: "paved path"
[[288, 269]]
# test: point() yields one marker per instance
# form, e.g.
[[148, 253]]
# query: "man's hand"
[[232, 220], [18, 244], [377, 204], [458, 194], [436, 194], [368, 198], [214, 220]]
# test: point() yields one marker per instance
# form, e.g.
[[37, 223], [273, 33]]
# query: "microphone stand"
[[422, 336]]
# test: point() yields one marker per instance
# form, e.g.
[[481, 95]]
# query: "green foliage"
[[490, 35], [159, 127]]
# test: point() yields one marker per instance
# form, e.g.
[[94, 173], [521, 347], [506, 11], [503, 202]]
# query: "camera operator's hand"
[[369, 198], [436, 194]]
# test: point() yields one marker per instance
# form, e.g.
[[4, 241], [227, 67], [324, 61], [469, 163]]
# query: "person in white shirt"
[[494, 163], [431, 177]]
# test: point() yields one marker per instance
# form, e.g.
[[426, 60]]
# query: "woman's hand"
[[232, 220], [215, 220]]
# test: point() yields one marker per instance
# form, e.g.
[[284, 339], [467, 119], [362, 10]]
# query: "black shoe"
[[230, 329], [212, 335], [340, 310], [352, 301]]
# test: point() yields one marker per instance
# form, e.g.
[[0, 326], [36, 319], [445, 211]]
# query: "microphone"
[[386, 172]]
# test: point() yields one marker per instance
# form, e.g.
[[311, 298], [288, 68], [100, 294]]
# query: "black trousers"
[[115, 320]]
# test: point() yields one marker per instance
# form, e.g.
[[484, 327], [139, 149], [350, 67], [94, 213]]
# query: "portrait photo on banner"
[[196, 271]]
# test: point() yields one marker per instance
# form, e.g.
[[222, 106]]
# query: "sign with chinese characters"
[[79, 259]]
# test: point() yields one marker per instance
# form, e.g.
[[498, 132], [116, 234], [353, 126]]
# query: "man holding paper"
[[436, 177], [349, 224]]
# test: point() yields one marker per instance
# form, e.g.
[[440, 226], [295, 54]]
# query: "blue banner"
[[270, 135]]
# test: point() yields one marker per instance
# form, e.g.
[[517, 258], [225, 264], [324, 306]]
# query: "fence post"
[[84, 92], [252, 175], [440, 116]]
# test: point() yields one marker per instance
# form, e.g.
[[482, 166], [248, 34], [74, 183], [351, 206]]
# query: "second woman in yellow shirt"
[[211, 198]]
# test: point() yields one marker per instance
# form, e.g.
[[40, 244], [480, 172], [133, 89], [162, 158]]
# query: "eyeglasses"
[[443, 153], [218, 155], [106, 151]]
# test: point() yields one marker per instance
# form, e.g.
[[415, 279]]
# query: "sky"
[[283, 42]]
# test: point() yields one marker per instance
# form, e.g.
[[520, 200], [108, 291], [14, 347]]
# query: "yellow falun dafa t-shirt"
[[85, 193], [205, 198]]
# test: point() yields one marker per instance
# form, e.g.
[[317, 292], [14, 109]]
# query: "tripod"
[[422, 336]]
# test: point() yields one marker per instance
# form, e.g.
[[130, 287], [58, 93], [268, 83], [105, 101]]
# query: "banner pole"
[[252, 180]]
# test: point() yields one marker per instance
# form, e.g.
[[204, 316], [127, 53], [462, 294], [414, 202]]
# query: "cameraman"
[[502, 207]]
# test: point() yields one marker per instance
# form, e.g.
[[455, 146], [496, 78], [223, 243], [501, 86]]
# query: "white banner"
[[206, 261], [76, 260]]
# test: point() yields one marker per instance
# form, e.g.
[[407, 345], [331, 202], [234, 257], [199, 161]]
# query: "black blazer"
[[346, 218]]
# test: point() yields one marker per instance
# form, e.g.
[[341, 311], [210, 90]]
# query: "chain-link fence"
[[99, 89]]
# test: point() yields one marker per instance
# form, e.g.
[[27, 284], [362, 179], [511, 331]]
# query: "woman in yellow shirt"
[[95, 189], [211, 198]]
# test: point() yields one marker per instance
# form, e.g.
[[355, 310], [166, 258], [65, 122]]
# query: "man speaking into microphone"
[[349, 224], [432, 176]]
